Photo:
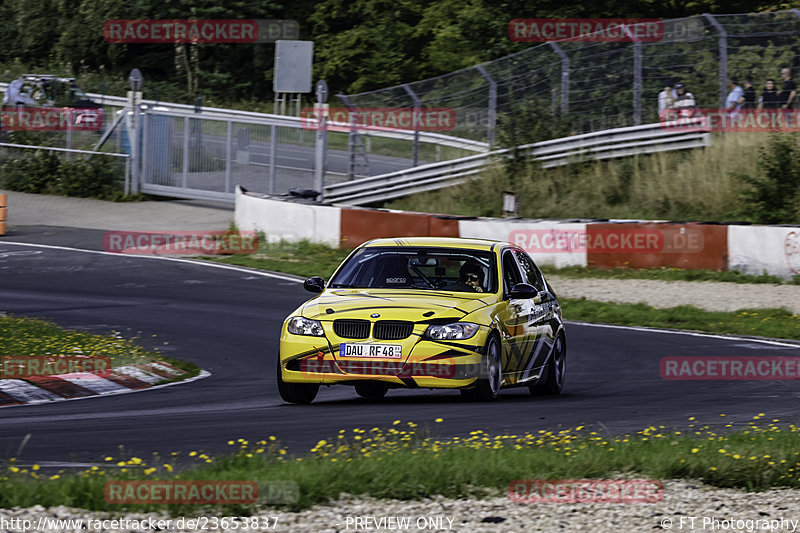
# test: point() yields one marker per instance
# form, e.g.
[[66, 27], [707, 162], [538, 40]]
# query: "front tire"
[[555, 372], [302, 393], [490, 374], [371, 390]]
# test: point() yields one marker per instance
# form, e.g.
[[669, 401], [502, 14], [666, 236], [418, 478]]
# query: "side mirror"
[[523, 291], [314, 284]]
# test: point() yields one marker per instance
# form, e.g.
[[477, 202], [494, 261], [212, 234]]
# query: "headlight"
[[305, 326], [454, 331]]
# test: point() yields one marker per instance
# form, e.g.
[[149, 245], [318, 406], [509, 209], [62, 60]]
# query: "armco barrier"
[[759, 249], [653, 245], [3, 211], [361, 225]]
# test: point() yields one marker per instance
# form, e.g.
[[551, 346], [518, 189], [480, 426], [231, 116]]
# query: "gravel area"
[[681, 500], [708, 295]]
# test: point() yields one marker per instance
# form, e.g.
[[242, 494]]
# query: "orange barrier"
[[361, 225], [3, 211], [653, 245]]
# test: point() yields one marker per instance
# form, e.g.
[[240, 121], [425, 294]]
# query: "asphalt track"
[[227, 322]]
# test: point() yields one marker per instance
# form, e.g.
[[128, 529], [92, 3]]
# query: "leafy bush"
[[34, 174], [774, 196], [44, 172]]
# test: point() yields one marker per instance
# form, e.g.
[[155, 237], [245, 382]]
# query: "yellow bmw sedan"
[[426, 312]]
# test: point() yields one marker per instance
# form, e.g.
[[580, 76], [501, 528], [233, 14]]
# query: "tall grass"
[[689, 184]]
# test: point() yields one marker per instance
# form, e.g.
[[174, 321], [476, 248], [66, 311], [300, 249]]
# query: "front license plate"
[[388, 351]]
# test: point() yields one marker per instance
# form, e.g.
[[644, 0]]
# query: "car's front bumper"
[[425, 363]]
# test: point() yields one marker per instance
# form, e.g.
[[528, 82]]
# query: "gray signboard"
[[293, 61]]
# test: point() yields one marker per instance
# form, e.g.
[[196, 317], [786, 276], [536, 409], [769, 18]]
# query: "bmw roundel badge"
[[374, 315]]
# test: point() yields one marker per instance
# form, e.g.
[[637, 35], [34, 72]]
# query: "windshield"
[[456, 270]]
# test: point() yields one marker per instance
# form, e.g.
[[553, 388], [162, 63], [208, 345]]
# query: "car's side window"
[[511, 274], [529, 269]]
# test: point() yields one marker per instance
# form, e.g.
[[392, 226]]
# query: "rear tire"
[[555, 371], [371, 390], [302, 393], [490, 375]]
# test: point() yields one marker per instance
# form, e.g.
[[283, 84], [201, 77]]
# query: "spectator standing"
[[789, 91], [748, 99], [684, 101], [666, 98], [769, 96], [732, 102]]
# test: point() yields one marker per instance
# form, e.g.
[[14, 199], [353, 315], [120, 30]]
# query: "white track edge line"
[[176, 259], [684, 332], [202, 375]]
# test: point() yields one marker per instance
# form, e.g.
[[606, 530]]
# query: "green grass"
[[406, 463], [697, 184], [665, 274], [25, 336], [775, 323], [302, 258]]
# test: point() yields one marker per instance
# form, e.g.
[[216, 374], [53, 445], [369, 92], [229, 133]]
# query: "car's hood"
[[394, 304]]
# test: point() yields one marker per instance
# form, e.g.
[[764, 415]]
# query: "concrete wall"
[[289, 221], [548, 242], [759, 249], [750, 249]]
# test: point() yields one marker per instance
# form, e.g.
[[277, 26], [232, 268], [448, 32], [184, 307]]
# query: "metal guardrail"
[[289, 121], [618, 142]]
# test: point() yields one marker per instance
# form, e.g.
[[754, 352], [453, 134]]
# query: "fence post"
[[492, 104], [228, 162], [321, 146], [637, 83], [273, 150], [564, 76], [186, 133], [145, 166], [69, 132], [133, 139], [417, 108], [354, 142], [723, 58], [127, 176]]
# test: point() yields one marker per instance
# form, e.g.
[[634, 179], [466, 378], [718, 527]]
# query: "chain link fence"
[[600, 85]]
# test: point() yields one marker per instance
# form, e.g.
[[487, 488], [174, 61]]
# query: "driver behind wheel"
[[471, 275]]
